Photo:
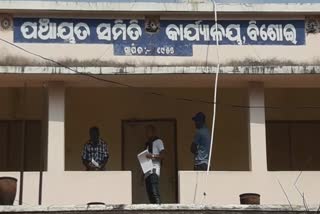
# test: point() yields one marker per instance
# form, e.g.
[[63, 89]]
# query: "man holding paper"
[[95, 153], [155, 148]]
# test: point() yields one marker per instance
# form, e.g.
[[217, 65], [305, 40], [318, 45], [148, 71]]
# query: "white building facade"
[[67, 66]]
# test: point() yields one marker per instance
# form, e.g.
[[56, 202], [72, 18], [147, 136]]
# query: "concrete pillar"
[[56, 136], [257, 128]]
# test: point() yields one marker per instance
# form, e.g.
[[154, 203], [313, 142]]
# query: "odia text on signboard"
[[172, 38]]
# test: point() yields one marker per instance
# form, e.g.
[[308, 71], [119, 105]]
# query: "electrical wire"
[[95, 77], [62, 65], [214, 100], [214, 103], [225, 105]]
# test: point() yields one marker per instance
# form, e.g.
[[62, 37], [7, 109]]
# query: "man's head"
[[199, 120], [150, 131], [94, 134]]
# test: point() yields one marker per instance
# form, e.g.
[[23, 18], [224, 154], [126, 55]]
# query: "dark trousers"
[[201, 167], [152, 186]]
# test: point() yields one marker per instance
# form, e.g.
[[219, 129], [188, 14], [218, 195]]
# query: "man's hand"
[[150, 156], [90, 166], [94, 168], [156, 157], [193, 148]]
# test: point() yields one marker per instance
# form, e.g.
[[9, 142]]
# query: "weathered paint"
[[270, 70], [164, 208]]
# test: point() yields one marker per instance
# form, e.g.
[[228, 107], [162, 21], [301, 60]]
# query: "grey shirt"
[[202, 140]]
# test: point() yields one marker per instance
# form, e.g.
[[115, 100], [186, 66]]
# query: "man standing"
[[95, 153], [201, 144], [156, 154]]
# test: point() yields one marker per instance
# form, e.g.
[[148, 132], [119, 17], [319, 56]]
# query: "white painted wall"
[[225, 187], [77, 188]]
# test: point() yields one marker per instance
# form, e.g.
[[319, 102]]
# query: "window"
[[11, 145], [293, 145]]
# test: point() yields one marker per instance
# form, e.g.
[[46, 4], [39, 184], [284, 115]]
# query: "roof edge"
[[227, 70], [202, 7]]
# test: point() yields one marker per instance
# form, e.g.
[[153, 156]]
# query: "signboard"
[[166, 38]]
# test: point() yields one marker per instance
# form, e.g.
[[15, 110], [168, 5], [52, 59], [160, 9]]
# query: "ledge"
[[239, 70], [156, 208]]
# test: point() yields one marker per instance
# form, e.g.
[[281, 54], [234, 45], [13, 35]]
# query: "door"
[[134, 138]]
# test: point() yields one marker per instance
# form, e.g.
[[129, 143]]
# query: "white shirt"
[[157, 148]]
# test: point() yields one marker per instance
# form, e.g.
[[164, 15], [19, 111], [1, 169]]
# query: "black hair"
[[94, 129]]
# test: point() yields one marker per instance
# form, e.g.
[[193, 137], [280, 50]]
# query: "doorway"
[[133, 142]]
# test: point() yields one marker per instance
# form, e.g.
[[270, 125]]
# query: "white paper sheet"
[[94, 163], [145, 163]]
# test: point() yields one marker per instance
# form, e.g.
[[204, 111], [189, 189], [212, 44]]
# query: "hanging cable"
[[214, 99], [231, 105]]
